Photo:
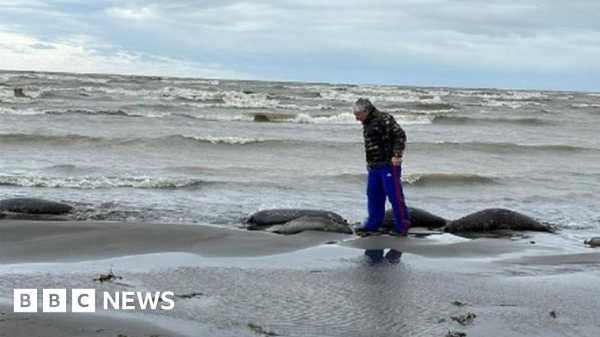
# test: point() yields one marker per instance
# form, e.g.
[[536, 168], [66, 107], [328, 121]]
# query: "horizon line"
[[298, 81]]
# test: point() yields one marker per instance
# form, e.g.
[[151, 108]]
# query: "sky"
[[527, 44]]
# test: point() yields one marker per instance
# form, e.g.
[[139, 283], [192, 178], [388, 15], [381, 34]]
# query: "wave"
[[178, 140], [19, 138], [585, 105], [287, 116], [90, 112], [224, 140], [21, 112], [101, 182], [172, 140], [303, 118], [425, 179], [437, 107], [501, 147], [501, 95], [460, 120], [448, 179], [497, 103], [279, 117], [345, 118]]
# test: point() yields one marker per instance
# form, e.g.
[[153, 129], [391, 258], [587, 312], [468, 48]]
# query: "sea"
[[211, 151]]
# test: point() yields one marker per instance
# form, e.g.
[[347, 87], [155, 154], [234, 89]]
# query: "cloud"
[[141, 13], [435, 42], [80, 53], [42, 46]]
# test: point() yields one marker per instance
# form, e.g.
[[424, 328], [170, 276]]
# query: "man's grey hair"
[[363, 105]]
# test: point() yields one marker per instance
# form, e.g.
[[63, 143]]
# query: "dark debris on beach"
[[259, 330], [464, 319], [107, 277], [190, 295]]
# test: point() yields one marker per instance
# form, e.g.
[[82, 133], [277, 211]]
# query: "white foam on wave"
[[585, 105], [317, 107], [21, 112], [62, 77], [227, 140], [343, 118], [190, 81], [200, 97], [507, 103], [219, 116], [502, 95], [235, 99], [94, 182], [385, 94], [349, 119], [423, 113]]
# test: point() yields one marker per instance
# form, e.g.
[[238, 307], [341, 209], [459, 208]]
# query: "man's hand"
[[396, 160]]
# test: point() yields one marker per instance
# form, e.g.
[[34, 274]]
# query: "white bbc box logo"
[[25, 300], [83, 300], [54, 300]]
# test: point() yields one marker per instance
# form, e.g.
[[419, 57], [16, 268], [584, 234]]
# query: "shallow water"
[[332, 291], [189, 150]]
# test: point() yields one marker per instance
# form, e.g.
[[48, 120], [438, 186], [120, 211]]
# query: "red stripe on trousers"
[[400, 200]]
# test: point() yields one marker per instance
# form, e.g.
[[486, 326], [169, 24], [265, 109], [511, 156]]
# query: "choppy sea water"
[[212, 151]]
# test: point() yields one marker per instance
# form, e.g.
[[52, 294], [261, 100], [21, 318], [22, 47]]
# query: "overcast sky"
[[544, 44]]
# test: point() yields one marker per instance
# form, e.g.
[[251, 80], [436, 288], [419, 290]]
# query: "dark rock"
[[19, 93], [261, 118], [272, 117], [593, 242]]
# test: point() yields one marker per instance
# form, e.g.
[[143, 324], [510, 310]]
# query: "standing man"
[[384, 145]]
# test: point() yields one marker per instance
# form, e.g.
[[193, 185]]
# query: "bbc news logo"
[[84, 300]]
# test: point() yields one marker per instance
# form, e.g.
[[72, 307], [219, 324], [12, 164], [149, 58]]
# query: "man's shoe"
[[394, 233], [363, 232]]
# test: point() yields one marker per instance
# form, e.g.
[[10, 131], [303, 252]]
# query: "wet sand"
[[39, 241], [236, 283], [74, 325]]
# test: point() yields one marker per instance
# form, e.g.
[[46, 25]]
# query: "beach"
[[296, 285], [162, 172]]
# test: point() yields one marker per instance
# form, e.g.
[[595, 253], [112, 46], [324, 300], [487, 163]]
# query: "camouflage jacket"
[[384, 138]]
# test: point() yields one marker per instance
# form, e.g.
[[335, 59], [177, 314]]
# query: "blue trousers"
[[385, 182]]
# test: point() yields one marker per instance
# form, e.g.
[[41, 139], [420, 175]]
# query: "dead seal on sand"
[[34, 206], [418, 218], [307, 223], [593, 242], [493, 219], [270, 217]]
